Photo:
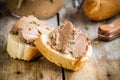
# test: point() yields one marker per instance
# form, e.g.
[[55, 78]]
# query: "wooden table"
[[103, 65]]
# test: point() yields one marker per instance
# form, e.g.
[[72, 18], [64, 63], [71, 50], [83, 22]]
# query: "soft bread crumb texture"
[[20, 50]]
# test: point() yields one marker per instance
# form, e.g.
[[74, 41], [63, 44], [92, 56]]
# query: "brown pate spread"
[[29, 28], [69, 40]]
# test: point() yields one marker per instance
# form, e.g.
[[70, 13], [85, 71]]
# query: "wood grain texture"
[[11, 69], [105, 61], [103, 65]]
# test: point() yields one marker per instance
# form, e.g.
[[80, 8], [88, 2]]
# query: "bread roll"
[[99, 10]]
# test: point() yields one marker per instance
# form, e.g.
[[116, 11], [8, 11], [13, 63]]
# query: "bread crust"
[[64, 60], [99, 10], [20, 50]]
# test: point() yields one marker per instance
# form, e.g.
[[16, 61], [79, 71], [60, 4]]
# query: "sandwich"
[[65, 46], [22, 35]]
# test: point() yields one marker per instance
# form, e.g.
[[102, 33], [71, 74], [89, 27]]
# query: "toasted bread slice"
[[64, 60], [20, 50]]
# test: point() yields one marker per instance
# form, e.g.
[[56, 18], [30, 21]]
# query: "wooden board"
[[105, 61]]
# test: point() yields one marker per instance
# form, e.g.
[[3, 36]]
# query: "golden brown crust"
[[99, 10], [39, 8], [64, 60], [21, 50]]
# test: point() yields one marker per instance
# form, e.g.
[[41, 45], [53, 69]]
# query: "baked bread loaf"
[[99, 10], [62, 52], [39, 8], [22, 35]]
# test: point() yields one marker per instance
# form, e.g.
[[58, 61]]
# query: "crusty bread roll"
[[20, 50], [99, 10], [64, 60]]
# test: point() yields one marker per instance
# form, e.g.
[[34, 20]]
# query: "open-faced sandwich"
[[22, 35], [65, 46]]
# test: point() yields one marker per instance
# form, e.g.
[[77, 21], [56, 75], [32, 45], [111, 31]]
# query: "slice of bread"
[[64, 60], [20, 50]]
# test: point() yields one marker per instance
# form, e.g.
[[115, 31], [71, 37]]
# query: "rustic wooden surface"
[[105, 61], [103, 65]]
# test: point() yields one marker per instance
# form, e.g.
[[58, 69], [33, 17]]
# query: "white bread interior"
[[20, 50], [64, 60]]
